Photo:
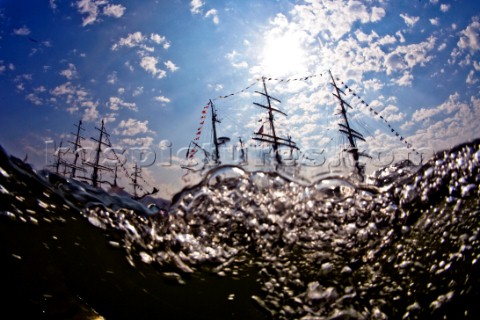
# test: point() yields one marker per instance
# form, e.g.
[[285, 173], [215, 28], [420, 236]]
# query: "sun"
[[283, 55]]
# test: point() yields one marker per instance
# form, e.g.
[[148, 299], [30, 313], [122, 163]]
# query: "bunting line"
[[192, 152], [392, 129], [268, 79]]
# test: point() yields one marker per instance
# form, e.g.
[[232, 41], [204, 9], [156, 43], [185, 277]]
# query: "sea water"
[[246, 245]]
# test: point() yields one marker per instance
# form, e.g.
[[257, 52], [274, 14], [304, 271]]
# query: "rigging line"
[[127, 174], [392, 129], [304, 78], [364, 126]]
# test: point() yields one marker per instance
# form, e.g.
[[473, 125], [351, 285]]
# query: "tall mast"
[[272, 138], [77, 146], [272, 126], [59, 159], [346, 129], [136, 174], [214, 128], [115, 177], [96, 165]]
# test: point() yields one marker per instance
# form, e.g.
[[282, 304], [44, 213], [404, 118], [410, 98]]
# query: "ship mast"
[[272, 138], [59, 159], [346, 129], [96, 165], [216, 157], [136, 174], [77, 146]]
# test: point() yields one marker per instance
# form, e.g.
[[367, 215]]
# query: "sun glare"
[[283, 56]]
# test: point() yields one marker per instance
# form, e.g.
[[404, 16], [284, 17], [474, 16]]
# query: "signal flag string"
[[393, 130], [194, 150]]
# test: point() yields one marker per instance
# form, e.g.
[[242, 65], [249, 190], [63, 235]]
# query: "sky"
[[149, 68]]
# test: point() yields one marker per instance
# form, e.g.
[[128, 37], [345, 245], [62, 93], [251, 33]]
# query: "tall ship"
[[98, 166]]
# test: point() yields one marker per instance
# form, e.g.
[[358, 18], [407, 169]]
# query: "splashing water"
[[249, 245]]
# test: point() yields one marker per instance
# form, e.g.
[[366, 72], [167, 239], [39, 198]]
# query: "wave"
[[248, 245]]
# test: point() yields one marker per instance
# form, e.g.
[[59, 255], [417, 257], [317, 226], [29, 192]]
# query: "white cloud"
[[40, 89], [33, 98], [91, 10], [149, 64], [214, 14], [115, 103], [377, 14], [363, 37], [476, 65], [333, 19], [132, 127], [90, 112], [143, 141], [4, 66], [373, 84], [114, 10], [138, 91], [460, 125], [158, 39], [388, 39], [53, 4], [112, 78], [405, 80], [407, 57], [471, 78], [435, 21], [23, 31], [442, 47], [240, 65], [195, 6], [170, 66], [392, 114], [69, 73], [162, 99], [132, 40], [129, 66], [470, 37], [409, 21], [451, 105], [444, 7], [233, 58], [63, 89]]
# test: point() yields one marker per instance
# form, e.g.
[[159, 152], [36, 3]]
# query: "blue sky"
[[149, 67]]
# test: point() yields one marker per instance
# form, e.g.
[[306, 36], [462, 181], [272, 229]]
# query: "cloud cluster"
[[409, 21], [370, 61], [116, 103], [196, 9], [69, 73], [149, 64], [132, 127], [22, 31], [92, 9], [75, 97], [470, 37], [145, 46]]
